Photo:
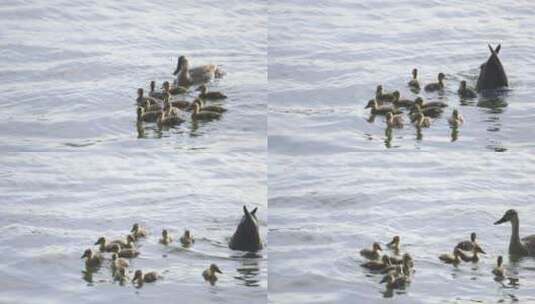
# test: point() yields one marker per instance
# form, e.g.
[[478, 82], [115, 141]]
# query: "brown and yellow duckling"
[[499, 270], [124, 252], [143, 115], [92, 260], [381, 96], [204, 94], [395, 281], [456, 119], [106, 246], [468, 245], [153, 93], [394, 243], [465, 92], [437, 86], [137, 232], [210, 273], [449, 258], [474, 258], [118, 263], [378, 265], [130, 242], [432, 104], [421, 121], [414, 84], [406, 103], [141, 100], [211, 108], [375, 109], [372, 254], [148, 277], [186, 239], [120, 276], [169, 119], [166, 238], [394, 121], [198, 114]]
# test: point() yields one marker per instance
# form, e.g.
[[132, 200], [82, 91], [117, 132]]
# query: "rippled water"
[[70, 74]]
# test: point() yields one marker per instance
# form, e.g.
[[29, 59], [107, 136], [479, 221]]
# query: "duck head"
[[414, 73], [376, 247], [187, 234], [395, 239], [114, 256], [441, 77], [164, 233], [139, 92], [396, 95], [180, 64], [138, 275], [135, 228], [100, 241], [419, 102], [371, 104], [379, 91], [473, 235], [214, 268], [492, 74], [500, 261], [455, 114], [509, 216], [87, 254], [247, 234]]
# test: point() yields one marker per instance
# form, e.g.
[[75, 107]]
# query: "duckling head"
[[140, 92], [135, 228], [379, 89], [500, 261], [87, 253], [396, 95], [509, 216], [377, 247], [414, 73], [419, 101], [395, 239], [101, 240], [371, 104], [202, 89], [166, 86], [473, 234], [214, 268], [441, 77], [164, 233], [152, 85], [138, 275], [455, 114], [187, 234]]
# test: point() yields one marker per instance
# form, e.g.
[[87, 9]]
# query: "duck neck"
[[515, 246], [183, 76]]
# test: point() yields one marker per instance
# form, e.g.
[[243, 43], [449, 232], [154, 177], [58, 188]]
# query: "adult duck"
[[517, 246], [372, 254], [187, 76], [437, 86]]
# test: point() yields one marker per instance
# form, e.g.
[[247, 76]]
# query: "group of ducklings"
[[420, 112], [398, 269], [163, 108], [122, 250]]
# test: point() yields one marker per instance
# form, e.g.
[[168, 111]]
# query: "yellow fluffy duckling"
[[204, 94], [92, 260], [137, 232], [106, 246], [381, 96], [118, 263], [186, 239], [499, 270], [197, 114], [394, 244], [166, 238], [437, 86], [451, 258], [124, 253], [413, 83]]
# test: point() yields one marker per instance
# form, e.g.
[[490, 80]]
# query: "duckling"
[[466, 92], [92, 260], [138, 232], [148, 277], [414, 84], [187, 76], [428, 111], [422, 121], [407, 103], [118, 263], [432, 104], [197, 114], [212, 108], [451, 259], [169, 119], [186, 239], [209, 95], [106, 246], [120, 275], [166, 239], [124, 252], [141, 100], [377, 265], [153, 93], [438, 86], [210, 274], [474, 258], [406, 258], [499, 270], [394, 244], [468, 245], [372, 254], [175, 90], [381, 96], [142, 115], [395, 282], [408, 264], [381, 110], [130, 242], [456, 119], [394, 121], [149, 107]]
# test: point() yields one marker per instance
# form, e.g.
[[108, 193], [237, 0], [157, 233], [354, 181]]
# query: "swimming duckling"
[[210, 274], [141, 100], [456, 119], [372, 254], [451, 258], [394, 121], [92, 260], [153, 93], [408, 264], [466, 92], [175, 90], [431, 104], [106, 246], [381, 110], [422, 121], [197, 114], [395, 282], [406, 258], [130, 242], [142, 115], [187, 76], [378, 265], [474, 258], [414, 84], [468, 245], [394, 244], [118, 263], [438, 86], [166, 239], [381, 96], [427, 111], [169, 119], [138, 232], [186, 239], [517, 246], [209, 95], [407, 103], [499, 270], [212, 108], [148, 277], [124, 252]]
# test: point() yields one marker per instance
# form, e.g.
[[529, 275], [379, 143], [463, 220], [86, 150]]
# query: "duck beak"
[[368, 106], [97, 242], [481, 250], [218, 271], [383, 280], [198, 89], [502, 220], [178, 66]]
